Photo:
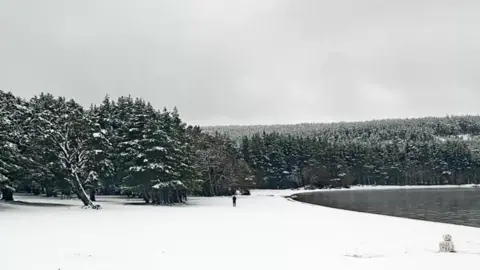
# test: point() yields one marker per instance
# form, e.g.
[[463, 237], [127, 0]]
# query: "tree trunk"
[[146, 196], [7, 195], [92, 194], [169, 200], [49, 192], [164, 197], [36, 192], [177, 198], [81, 193], [158, 199]]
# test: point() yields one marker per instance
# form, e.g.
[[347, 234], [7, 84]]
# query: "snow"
[[157, 148], [136, 169], [10, 145], [264, 231], [3, 178], [463, 137], [289, 192], [154, 166], [174, 184]]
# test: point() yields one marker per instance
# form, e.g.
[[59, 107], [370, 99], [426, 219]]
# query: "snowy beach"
[[265, 231]]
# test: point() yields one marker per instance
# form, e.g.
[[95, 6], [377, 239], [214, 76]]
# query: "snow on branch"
[[3, 179], [174, 184]]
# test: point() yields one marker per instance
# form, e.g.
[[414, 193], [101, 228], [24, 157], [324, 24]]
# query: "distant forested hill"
[[388, 129], [422, 151]]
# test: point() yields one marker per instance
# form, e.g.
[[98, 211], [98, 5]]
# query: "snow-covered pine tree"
[[109, 121], [100, 164], [63, 129], [149, 152], [122, 138], [160, 150], [5, 147], [182, 173], [12, 117], [141, 169]]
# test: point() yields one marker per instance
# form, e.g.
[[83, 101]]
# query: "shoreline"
[[292, 192]]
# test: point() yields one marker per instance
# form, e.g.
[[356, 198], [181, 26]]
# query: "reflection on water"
[[449, 205]]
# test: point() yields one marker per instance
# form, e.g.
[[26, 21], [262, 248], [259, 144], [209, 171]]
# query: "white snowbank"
[[262, 232], [289, 192]]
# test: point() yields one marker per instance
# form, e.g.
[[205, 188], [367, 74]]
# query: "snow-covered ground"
[[265, 231]]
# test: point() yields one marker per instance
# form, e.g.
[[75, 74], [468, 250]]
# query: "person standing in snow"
[[234, 199]]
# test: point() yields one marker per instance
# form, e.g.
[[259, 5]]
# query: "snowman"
[[446, 245]]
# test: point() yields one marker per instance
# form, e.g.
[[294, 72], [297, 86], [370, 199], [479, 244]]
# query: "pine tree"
[[12, 118], [63, 131]]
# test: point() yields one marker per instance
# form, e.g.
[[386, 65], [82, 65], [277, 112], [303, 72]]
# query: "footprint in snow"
[[364, 256], [357, 256]]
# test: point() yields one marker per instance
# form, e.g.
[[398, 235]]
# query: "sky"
[[226, 62]]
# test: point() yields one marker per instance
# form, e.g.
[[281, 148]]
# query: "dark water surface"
[[459, 206]]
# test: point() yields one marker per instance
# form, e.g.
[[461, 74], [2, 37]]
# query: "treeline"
[[286, 161], [54, 146], [425, 128], [422, 151]]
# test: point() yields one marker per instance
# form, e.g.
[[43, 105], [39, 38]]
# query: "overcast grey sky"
[[250, 61]]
